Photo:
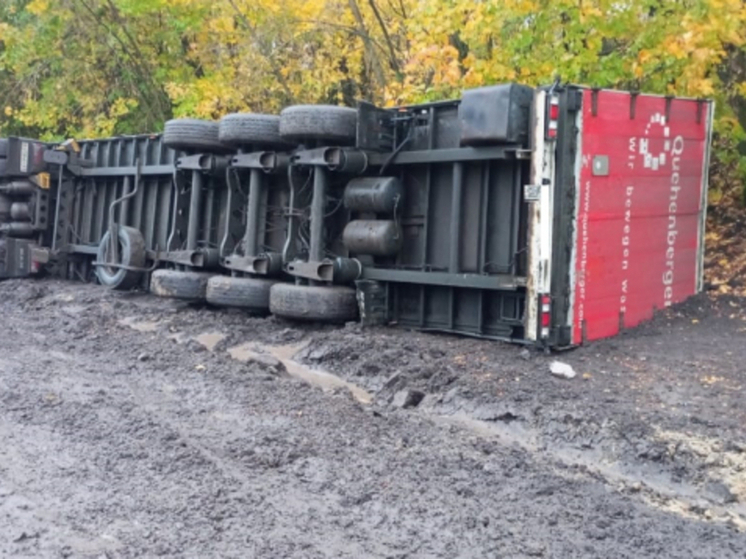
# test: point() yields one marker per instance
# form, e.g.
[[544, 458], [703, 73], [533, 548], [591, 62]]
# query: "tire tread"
[[314, 303], [246, 293]]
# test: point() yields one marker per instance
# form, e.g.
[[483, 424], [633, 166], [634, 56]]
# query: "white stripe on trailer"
[[699, 279], [540, 218], [574, 230]]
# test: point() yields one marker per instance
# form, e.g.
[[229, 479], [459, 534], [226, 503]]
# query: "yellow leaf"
[[38, 7]]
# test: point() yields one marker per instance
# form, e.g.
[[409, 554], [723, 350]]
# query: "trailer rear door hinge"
[[574, 100]]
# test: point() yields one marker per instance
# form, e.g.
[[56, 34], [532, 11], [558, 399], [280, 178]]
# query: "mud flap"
[[21, 258], [372, 302]]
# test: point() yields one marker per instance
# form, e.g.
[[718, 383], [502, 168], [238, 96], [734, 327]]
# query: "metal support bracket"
[[341, 160], [268, 264], [339, 270], [201, 258], [206, 163], [267, 161], [118, 266]]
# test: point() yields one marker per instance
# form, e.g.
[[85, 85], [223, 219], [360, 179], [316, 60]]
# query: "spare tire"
[[319, 122], [320, 303], [176, 284], [131, 253], [247, 293], [192, 134], [241, 129]]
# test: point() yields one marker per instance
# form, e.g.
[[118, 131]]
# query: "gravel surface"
[[132, 426]]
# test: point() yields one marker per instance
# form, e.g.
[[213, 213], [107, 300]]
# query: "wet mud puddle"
[[210, 339]]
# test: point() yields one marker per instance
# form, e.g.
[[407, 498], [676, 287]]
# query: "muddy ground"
[[137, 427]]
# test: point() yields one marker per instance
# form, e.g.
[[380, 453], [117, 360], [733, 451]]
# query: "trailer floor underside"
[[134, 426]]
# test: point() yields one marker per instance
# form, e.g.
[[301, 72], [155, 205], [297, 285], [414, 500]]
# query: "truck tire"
[[320, 303], [175, 284], [131, 253], [192, 134], [319, 122], [3, 147], [5, 204], [241, 129], [246, 293]]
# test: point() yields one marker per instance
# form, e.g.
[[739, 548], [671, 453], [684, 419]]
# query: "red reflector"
[[546, 318], [552, 132], [546, 300], [554, 112]]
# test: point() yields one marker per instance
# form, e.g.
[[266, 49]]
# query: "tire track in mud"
[[654, 487]]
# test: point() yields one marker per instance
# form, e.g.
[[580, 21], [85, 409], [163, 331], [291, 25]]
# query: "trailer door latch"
[[532, 192]]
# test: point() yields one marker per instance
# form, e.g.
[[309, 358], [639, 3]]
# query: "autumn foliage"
[[88, 68]]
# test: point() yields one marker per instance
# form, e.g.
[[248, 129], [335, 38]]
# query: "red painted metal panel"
[[638, 225]]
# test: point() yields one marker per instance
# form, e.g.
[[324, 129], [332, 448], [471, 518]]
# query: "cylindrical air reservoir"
[[18, 188], [373, 237], [20, 211], [381, 195], [18, 229]]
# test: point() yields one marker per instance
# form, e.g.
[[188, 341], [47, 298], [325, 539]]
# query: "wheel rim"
[[107, 250]]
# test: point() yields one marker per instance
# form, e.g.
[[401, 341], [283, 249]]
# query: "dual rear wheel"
[[332, 304], [299, 302]]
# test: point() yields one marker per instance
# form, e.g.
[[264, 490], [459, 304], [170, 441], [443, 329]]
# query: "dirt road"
[[138, 427]]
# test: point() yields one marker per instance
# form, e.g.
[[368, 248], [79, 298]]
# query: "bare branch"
[[374, 62], [157, 115], [262, 48], [392, 52]]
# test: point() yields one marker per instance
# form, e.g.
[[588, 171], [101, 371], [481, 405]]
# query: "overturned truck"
[[551, 215]]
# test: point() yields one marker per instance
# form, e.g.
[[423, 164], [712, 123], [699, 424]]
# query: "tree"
[[101, 67]]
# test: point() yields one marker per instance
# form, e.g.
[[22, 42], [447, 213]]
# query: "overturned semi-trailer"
[[550, 215]]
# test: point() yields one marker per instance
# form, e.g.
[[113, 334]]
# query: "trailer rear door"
[[640, 208]]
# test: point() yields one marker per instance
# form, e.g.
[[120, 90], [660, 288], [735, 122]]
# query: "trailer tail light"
[[546, 314], [552, 116]]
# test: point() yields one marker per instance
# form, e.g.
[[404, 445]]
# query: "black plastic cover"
[[16, 258], [25, 157], [495, 114]]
